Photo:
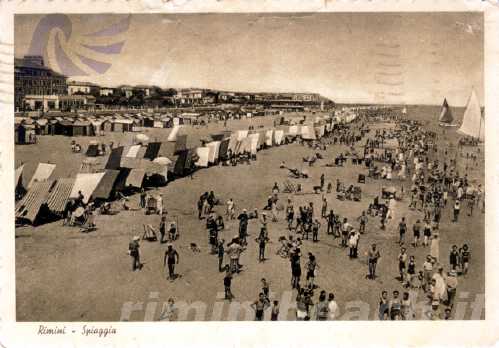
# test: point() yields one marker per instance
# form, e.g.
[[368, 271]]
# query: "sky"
[[411, 58]]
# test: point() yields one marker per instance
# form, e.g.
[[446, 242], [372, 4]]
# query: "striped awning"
[[28, 207], [59, 195]]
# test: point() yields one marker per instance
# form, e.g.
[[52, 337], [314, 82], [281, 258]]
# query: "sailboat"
[[446, 117], [473, 121]]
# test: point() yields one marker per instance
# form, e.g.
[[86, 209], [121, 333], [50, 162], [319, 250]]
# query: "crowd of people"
[[429, 181]]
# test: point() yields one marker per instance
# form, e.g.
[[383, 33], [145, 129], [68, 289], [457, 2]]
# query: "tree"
[[170, 92]]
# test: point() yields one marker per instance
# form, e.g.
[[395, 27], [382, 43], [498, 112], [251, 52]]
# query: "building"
[[32, 77], [189, 96], [75, 87], [58, 102], [226, 96], [306, 97], [144, 90], [106, 91], [126, 91]]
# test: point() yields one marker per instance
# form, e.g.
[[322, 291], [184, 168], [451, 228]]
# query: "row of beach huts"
[[147, 163]]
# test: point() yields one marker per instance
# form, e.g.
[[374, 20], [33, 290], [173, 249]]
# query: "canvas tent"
[[173, 134], [181, 163], [133, 151], [19, 177], [86, 183], [42, 172], [293, 130], [241, 134], [59, 195], [106, 184], [269, 137], [28, 208], [308, 133], [233, 143], [89, 165], [254, 138], [152, 150], [181, 143], [203, 154], [114, 159], [278, 136], [119, 184], [445, 113], [244, 146], [214, 147], [218, 136], [135, 178], [473, 121], [224, 146]]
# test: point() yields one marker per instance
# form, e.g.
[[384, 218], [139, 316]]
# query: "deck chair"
[[361, 179], [288, 187], [149, 233], [89, 224]]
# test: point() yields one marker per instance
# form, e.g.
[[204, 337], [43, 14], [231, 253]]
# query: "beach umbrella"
[[141, 138], [162, 160]]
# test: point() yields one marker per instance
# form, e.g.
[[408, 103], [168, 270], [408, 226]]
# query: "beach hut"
[[93, 149], [148, 121], [42, 126], [122, 125], [81, 128], [107, 125], [64, 127], [97, 126]]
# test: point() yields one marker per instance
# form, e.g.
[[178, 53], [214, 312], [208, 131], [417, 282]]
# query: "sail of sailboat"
[[473, 121], [446, 117]]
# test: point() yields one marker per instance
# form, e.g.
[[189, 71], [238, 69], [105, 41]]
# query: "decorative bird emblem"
[[77, 55]]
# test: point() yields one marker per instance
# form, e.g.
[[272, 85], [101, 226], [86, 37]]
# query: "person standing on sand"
[[435, 247], [133, 251], [262, 242], [227, 284], [330, 222], [162, 229], [457, 208], [363, 222], [243, 226], [142, 198], [324, 208], [260, 305], [220, 252], [170, 312], [171, 258], [372, 259], [160, 204]]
